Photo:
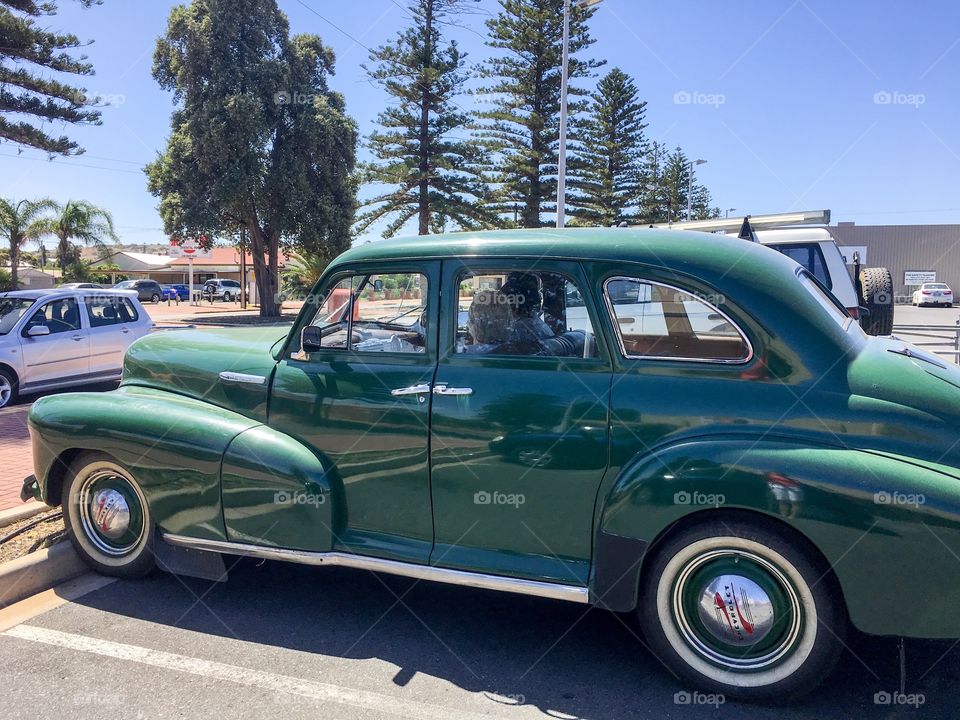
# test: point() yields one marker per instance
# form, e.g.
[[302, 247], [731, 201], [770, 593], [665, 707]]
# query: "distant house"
[[31, 278]]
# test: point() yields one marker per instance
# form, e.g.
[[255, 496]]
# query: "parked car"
[[933, 294], [65, 337], [868, 288], [182, 291], [750, 481], [220, 289], [145, 289], [81, 286], [170, 292]]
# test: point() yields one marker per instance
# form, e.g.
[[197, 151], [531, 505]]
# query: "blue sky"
[[795, 104]]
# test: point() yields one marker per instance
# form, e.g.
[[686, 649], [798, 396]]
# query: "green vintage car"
[[684, 426]]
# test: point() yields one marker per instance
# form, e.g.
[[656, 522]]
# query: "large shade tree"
[[608, 169], [21, 222], [431, 170], [258, 140], [31, 93], [522, 125]]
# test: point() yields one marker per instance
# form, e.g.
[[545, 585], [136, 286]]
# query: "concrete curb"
[[22, 512], [38, 571]]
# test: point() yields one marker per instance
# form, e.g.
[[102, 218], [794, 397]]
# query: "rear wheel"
[[107, 517], [8, 387], [877, 296], [742, 610]]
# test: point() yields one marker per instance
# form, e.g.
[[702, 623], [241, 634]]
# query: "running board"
[[554, 591]]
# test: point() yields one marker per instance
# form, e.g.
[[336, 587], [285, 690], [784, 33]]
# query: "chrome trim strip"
[[623, 349], [571, 593], [227, 376]]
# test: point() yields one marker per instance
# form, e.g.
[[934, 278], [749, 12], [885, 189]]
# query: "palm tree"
[[303, 271], [20, 222], [83, 221]]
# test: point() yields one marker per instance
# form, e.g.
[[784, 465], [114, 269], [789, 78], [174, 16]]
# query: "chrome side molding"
[[554, 591], [236, 377]]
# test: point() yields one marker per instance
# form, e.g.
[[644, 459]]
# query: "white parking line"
[[323, 692]]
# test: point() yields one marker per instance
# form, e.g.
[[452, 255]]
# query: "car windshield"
[[935, 286], [125, 284], [11, 310]]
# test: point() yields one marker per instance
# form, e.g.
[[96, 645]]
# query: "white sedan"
[[933, 294], [58, 338]]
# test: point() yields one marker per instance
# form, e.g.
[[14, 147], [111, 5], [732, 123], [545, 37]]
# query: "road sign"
[[189, 248]]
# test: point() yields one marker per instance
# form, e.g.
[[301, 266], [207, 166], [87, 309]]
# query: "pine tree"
[[668, 183], [434, 174], [608, 166], [27, 53], [522, 128]]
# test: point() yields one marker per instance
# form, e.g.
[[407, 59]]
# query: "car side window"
[[811, 257], [659, 321], [104, 311], [522, 312], [377, 312], [58, 316]]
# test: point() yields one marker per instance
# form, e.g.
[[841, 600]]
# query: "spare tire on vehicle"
[[876, 295]]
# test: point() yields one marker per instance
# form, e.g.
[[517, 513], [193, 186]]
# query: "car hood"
[[230, 367], [913, 394]]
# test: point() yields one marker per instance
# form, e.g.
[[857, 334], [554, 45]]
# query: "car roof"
[[68, 292]]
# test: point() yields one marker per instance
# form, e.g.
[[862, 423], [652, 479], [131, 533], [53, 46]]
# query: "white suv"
[[59, 338]]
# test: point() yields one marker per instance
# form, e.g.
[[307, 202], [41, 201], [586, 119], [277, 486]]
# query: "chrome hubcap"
[[736, 610], [111, 512]]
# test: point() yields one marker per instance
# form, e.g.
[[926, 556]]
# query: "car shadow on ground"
[[560, 657]]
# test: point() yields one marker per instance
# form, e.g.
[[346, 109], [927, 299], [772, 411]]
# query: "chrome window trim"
[[555, 591], [661, 358]]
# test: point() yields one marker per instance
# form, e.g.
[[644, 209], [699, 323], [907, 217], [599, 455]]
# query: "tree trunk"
[[14, 264], [424, 134], [265, 251]]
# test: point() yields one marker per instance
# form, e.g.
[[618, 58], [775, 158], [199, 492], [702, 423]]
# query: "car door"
[[63, 352], [110, 332], [519, 426], [361, 402]]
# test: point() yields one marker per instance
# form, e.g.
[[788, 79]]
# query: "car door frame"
[[67, 376]]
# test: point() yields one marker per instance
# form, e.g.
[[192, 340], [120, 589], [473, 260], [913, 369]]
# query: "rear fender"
[[880, 523]]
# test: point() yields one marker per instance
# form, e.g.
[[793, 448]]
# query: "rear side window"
[[809, 256], [657, 321], [104, 311]]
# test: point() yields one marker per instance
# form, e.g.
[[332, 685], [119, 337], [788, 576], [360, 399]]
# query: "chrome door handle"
[[412, 390], [76, 338], [442, 389]]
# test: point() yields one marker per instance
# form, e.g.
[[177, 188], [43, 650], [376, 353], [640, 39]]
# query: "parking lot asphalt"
[[289, 641]]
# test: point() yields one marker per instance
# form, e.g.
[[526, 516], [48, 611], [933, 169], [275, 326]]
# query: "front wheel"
[[155, 298], [742, 610], [107, 517], [226, 297]]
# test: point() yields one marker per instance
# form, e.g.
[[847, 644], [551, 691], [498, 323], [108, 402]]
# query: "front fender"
[[889, 528], [173, 445]]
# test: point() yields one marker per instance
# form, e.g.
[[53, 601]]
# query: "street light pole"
[[730, 210], [693, 163], [564, 72], [562, 157]]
